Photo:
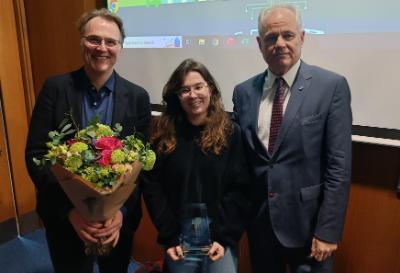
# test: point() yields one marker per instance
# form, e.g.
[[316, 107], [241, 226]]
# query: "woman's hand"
[[216, 252], [175, 253]]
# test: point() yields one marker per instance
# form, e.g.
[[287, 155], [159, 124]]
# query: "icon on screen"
[[188, 41], [215, 42], [113, 5], [177, 42], [245, 41], [254, 32], [230, 41], [202, 42]]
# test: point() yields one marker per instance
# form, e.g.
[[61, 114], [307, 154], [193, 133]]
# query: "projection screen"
[[359, 39]]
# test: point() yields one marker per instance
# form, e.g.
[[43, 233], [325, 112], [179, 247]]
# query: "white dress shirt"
[[267, 100]]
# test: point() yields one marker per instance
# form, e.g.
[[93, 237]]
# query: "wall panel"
[[371, 241], [53, 36], [6, 200], [15, 116]]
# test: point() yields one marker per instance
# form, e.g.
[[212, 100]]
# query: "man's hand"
[[216, 251], [111, 229], [175, 253], [321, 250], [85, 229]]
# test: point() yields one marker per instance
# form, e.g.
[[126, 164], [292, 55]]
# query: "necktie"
[[277, 114]]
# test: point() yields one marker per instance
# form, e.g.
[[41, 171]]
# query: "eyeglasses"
[[197, 89], [94, 40]]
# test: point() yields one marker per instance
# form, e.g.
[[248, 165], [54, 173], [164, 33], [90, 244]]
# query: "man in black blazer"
[[297, 120], [94, 90]]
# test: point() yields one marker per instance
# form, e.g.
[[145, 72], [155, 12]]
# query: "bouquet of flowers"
[[96, 169]]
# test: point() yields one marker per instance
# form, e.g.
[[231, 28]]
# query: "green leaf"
[[66, 127], [94, 120], [36, 161], [118, 128], [52, 134], [69, 132], [88, 156], [92, 134], [63, 123], [56, 141]]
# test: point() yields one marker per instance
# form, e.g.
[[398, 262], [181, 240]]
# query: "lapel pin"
[[301, 88]]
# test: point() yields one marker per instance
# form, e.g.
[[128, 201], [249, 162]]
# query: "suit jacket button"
[[271, 194]]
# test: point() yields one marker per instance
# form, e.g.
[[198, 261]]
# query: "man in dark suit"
[[94, 90], [297, 120]]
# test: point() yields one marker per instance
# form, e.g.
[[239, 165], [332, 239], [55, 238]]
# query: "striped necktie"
[[277, 114]]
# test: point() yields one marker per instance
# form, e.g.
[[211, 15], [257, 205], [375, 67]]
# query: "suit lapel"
[[120, 101], [298, 93], [74, 95], [256, 95]]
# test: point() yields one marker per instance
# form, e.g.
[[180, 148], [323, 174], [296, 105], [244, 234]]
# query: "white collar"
[[289, 76]]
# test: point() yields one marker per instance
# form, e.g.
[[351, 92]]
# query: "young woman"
[[196, 193]]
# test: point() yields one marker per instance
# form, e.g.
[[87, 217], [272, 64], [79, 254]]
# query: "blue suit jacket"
[[60, 95], [306, 179]]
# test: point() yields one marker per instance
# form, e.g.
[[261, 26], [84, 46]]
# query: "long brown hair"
[[218, 127]]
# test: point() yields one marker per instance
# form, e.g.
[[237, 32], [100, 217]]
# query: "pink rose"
[[105, 159], [108, 143]]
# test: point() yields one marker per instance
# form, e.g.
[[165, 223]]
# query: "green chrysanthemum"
[[78, 147], [56, 151], [103, 130], [90, 174], [148, 159], [73, 163], [81, 133], [118, 156], [119, 168], [104, 172], [132, 156]]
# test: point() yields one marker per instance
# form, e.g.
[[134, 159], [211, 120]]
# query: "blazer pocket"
[[311, 119], [312, 192]]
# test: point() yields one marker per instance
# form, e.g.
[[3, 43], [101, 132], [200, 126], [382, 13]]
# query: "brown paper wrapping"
[[93, 203]]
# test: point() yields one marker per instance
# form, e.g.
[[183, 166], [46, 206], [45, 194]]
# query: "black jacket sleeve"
[[42, 122], [234, 207], [160, 210]]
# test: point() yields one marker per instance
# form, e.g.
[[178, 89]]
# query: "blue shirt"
[[98, 103]]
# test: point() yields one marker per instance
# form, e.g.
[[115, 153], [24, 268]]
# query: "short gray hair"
[[266, 11]]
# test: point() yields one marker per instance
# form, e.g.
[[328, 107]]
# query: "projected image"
[[354, 38], [233, 23], [192, 23]]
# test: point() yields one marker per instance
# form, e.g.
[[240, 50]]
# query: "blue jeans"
[[227, 264], [195, 236]]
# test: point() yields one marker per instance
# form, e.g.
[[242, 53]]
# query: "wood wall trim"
[[25, 56], [15, 111], [92, 4], [7, 210]]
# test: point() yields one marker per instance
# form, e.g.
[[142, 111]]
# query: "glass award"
[[195, 235]]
